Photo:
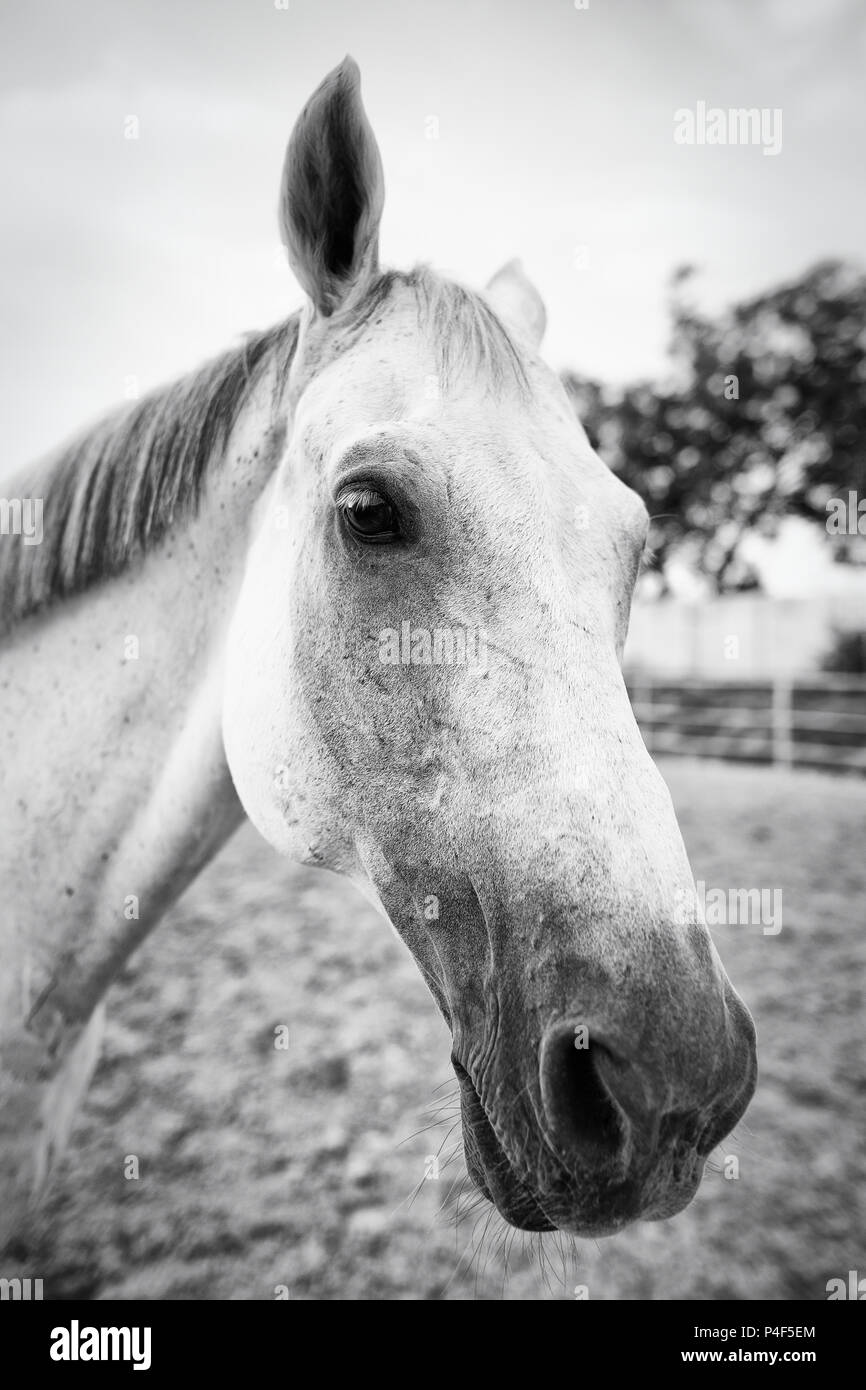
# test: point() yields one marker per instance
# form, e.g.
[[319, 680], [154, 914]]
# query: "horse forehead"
[[538, 454]]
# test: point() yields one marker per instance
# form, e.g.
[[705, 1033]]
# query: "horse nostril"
[[582, 1117]]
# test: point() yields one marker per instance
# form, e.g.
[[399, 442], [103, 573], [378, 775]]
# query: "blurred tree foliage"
[[847, 653], [764, 417]]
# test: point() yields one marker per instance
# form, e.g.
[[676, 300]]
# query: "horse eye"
[[369, 515]]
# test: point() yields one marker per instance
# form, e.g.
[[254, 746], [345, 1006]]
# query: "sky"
[[530, 128]]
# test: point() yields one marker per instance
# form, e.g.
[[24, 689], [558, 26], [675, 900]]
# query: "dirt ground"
[[262, 1167]]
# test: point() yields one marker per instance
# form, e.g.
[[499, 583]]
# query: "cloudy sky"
[[507, 127]]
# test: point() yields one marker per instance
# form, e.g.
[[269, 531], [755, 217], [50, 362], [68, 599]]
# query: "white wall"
[[738, 636]]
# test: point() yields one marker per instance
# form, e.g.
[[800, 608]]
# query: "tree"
[[765, 418]]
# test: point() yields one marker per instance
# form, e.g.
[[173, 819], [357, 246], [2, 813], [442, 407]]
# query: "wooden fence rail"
[[812, 722]]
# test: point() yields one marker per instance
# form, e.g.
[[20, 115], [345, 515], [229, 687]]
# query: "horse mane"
[[113, 493]]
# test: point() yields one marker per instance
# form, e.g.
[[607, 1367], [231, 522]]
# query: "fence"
[[804, 721]]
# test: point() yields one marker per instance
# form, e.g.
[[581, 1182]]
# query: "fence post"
[[783, 742]]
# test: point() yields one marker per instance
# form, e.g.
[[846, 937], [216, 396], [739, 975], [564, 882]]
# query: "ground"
[[262, 1166]]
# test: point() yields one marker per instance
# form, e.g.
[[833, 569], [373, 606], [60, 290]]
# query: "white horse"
[[208, 630]]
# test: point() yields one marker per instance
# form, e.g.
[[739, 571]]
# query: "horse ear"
[[332, 193], [517, 301]]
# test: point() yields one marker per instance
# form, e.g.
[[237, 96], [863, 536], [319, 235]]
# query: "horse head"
[[424, 693]]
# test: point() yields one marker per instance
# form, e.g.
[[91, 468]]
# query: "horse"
[[248, 599]]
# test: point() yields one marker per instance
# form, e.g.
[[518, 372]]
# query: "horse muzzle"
[[599, 1138]]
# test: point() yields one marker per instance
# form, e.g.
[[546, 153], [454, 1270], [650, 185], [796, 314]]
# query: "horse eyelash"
[[359, 498]]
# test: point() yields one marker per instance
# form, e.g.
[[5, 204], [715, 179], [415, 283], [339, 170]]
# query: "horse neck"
[[116, 693]]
